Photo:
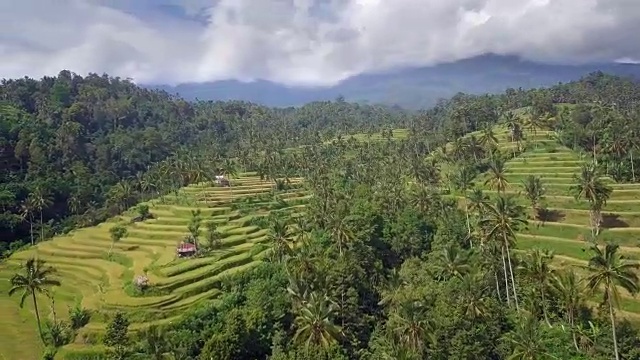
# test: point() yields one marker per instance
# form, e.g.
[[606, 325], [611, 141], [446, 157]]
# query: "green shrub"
[[79, 316], [57, 333]]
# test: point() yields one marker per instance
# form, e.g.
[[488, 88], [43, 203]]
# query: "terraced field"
[[565, 228], [103, 283]]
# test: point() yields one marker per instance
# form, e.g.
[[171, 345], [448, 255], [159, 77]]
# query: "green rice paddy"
[[103, 284]]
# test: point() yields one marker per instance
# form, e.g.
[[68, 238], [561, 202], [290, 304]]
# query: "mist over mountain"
[[410, 87]]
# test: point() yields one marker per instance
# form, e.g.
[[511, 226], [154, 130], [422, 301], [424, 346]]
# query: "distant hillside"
[[409, 88]]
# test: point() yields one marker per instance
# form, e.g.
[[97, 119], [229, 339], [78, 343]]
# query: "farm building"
[[221, 180], [186, 249]]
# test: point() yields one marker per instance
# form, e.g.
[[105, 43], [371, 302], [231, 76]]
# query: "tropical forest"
[[138, 225]]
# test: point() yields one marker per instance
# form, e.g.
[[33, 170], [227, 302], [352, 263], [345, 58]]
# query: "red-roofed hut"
[[186, 249]]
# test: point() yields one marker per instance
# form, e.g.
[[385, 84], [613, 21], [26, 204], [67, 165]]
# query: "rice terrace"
[[99, 283]]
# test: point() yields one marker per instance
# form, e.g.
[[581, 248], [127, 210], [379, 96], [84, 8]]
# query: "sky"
[[301, 42]]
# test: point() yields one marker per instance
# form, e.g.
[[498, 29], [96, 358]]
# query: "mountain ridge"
[[411, 88]]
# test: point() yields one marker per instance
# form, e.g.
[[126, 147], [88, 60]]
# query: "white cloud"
[[301, 42]]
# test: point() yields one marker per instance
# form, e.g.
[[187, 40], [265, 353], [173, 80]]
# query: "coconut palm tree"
[[610, 272], [41, 201], [452, 262], [229, 169], [27, 210], [314, 322], [536, 267], [35, 278], [474, 290], [526, 340], [154, 342], [489, 140], [474, 147], [535, 122], [502, 220], [463, 177], [569, 291], [280, 236], [478, 202], [534, 191], [589, 185], [497, 178], [412, 327]]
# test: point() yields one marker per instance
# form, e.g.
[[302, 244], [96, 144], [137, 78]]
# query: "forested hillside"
[[492, 227], [76, 150]]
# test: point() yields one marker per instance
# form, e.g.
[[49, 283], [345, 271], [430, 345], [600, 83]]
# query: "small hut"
[[222, 181], [186, 249]]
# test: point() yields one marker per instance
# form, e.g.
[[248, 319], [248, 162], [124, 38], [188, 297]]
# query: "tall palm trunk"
[[573, 330], [633, 171], [497, 286], [33, 242], [506, 277], [613, 326], [35, 306], [544, 306], [466, 212], [41, 227], [513, 282], [595, 160]]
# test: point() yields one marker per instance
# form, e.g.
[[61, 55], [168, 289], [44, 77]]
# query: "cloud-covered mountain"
[[303, 42], [411, 87]]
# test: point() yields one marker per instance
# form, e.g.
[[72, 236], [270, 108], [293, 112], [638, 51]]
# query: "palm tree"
[[502, 220], [390, 289], [526, 340], [478, 201], [534, 191], [590, 186], [412, 326], [497, 179], [452, 262], [489, 140], [474, 147], [569, 291], [631, 146], [229, 170], [41, 200], [463, 178], [154, 342], [535, 122], [314, 322], [339, 225], [536, 267], [473, 293], [513, 124], [27, 210], [35, 278], [279, 235], [610, 272]]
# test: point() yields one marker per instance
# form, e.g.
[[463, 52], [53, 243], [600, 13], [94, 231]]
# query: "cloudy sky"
[[301, 42]]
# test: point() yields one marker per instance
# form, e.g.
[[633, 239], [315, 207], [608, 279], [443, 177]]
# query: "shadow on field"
[[548, 215], [613, 221]]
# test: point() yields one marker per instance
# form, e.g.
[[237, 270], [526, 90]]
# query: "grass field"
[[566, 228], [103, 284]]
